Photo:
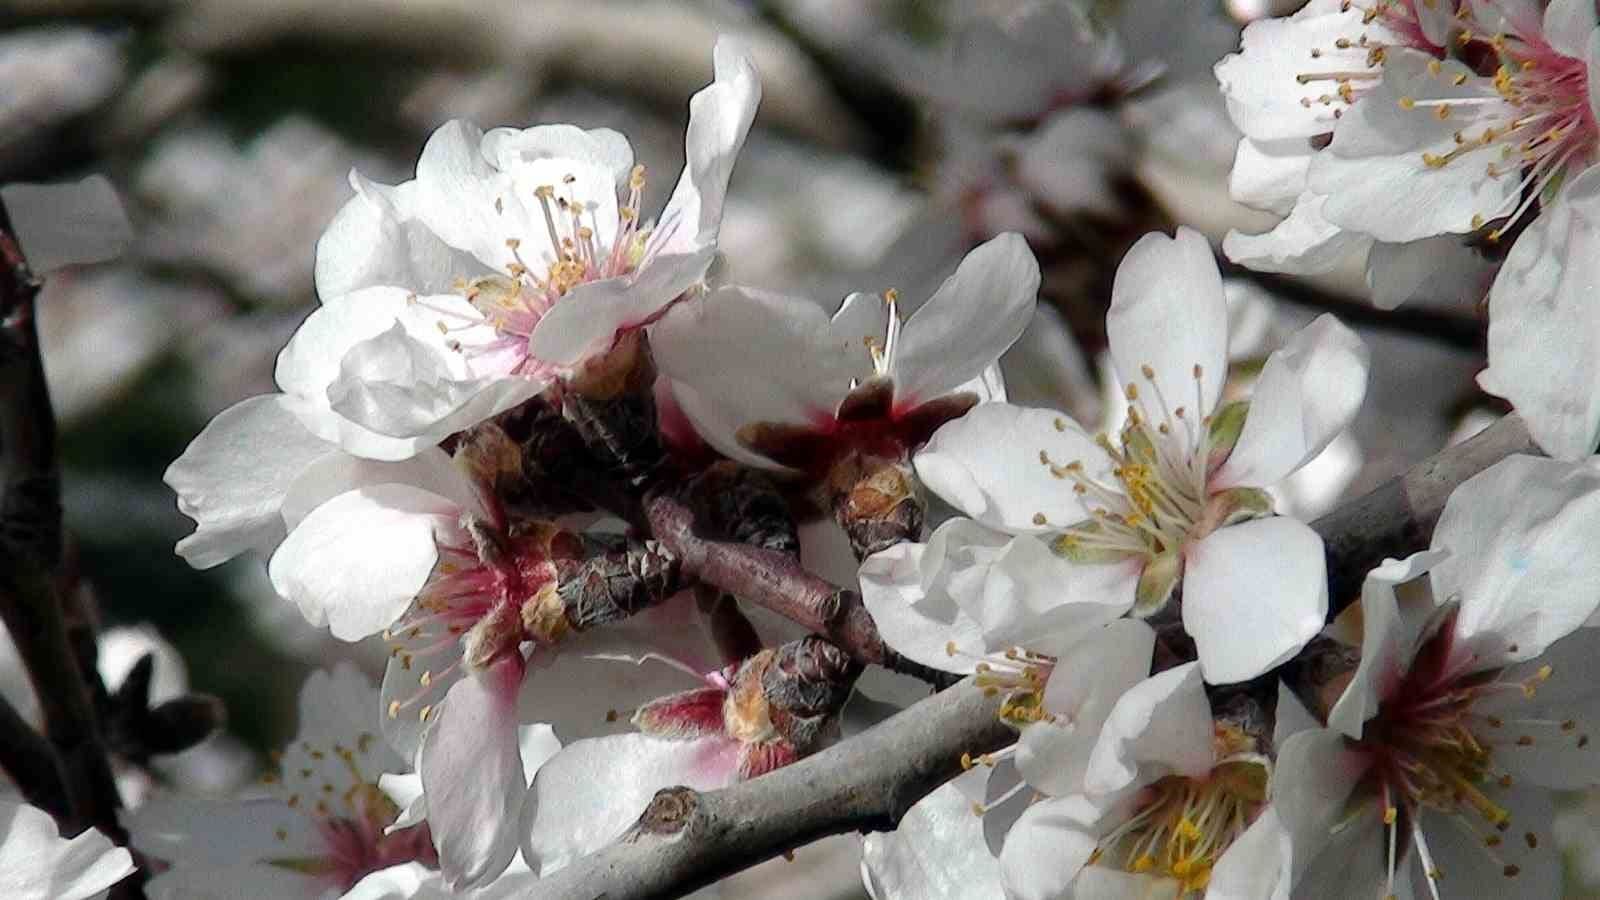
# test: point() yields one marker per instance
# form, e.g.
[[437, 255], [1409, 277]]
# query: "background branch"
[[30, 559], [1446, 326]]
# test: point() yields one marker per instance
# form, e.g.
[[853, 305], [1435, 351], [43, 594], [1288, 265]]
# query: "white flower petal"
[[987, 464], [400, 387], [432, 470], [1053, 754], [937, 853], [1460, 852], [356, 562], [1556, 761], [36, 863], [1568, 26], [405, 791], [1046, 849], [376, 239], [474, 208], [751, 356], [1270, 175], [1519, 535], [592, 791], [1267, 572], [1304, 243], [1257, 866], [1035, 599], [407, 881], [313, 358], [1316, 773], [1544, 341], [207, 833], [1261, 82], [505, 148], [232, 882], [63, 224], [588, 318], [1387, 645], [1308, 391], [231, 488], [719, 119], [472, 776], [1374, 175], [1161, 726], [976, 315], [1168, 312], [920, 624]]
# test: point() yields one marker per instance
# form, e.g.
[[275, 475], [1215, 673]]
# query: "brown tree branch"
[[30, 762], [686, 839], [1397, 517], [775, 579], [30, 559]]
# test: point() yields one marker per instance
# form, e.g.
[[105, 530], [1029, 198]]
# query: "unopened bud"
[[877, 501], [613, 578]]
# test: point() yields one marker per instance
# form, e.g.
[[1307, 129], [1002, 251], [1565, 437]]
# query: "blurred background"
[[893, 135]]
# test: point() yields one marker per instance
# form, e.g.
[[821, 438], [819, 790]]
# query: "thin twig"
[[30, 762], [775, 580]]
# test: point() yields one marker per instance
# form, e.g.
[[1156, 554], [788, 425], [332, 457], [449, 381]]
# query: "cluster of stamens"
[[480, 603], [882, 350], [1357, 62], [1183, 825], [1433, 751], [350, 814], [1160, 467], [512, 304], [1018, 674], [1535, 108]]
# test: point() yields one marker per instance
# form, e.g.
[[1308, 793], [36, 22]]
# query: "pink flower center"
[[349, 814], [357, 846], [1434, 746], [514, 303], [1536, 109], [480, 604]]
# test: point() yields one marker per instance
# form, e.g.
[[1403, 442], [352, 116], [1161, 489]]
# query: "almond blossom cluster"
[[592, 501]]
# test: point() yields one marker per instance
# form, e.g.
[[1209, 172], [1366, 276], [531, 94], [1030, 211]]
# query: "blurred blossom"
[[51, 74], [248, 213], [845, 220], [102, 327], [233, 356], [122, 648]]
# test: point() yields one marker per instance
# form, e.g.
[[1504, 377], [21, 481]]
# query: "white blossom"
[[1178, 497], [1471, 702]]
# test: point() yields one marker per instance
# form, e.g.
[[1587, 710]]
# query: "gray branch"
[[687, 839]]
